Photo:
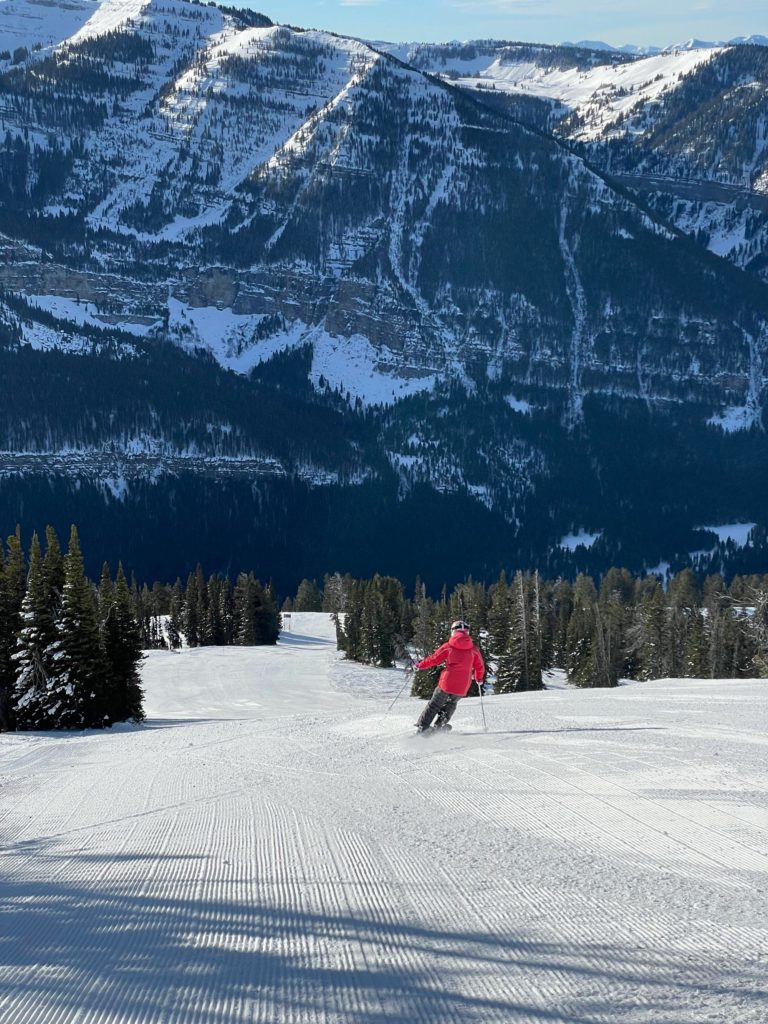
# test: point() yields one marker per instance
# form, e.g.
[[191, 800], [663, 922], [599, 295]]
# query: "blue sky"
[[644, 22]]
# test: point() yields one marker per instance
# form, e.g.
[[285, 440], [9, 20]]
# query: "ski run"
[[273, 845]]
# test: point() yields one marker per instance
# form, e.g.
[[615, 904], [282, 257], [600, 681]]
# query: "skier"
[[461, 657]]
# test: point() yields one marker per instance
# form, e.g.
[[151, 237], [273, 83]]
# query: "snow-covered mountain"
[[629, 48], [595, 89], [652, 51], [684, 126], [321, 264], [39, 27]]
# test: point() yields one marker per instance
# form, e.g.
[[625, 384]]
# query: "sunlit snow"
[[275, 844], [738, 533], [571, 541], [600, 94]]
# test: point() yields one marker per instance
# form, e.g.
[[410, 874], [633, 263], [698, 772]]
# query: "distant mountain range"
[[285, 300], [651, 51]]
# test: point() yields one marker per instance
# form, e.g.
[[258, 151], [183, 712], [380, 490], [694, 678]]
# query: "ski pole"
[[482, 706], [408, 678]]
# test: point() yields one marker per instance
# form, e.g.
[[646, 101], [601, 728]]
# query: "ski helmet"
[[459, 624]]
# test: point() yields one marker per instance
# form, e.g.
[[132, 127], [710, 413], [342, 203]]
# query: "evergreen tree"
[[612, 620], [226, 613], [548, 623], [469, 601], [562, 598], [256, 618], [214, 633], [33, 652], [124, 697], [499, 617], [195, 608], [696, 654], [174, 626], [75, 697], [353, 620], [308, 597], [519, 665], [648, 634], [40, 613], [580, 641], [106, 592], [268, 622], [12, 586], [244, 610], [335, 589], [423, 619], [53, 569], [366, 647]]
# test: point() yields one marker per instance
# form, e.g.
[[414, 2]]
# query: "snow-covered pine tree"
[[647, 634], [682, 601], [335, 590], [696, 655], [12, 586], [226, 612], [33, 653], [213, 625], [75, 696], [121, 634], [244, 609]]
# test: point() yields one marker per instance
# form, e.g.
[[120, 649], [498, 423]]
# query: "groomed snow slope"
[[272, 847]]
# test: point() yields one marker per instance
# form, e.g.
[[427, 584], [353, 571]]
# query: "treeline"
[[623, 627], [70, 649], [211, 612]]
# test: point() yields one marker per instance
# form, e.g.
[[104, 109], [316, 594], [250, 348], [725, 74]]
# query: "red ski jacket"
[[460, 656]]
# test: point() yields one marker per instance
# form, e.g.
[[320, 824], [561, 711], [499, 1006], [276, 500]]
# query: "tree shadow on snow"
[[556, 732], [304, 640], [116, 952]]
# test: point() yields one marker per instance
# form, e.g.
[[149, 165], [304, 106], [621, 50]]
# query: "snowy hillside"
[[30, 24], [597, 96], [274, 846]]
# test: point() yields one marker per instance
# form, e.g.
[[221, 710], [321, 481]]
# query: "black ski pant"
[[442, 705]]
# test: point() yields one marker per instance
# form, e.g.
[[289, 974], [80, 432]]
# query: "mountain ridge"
[[291, 220]]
